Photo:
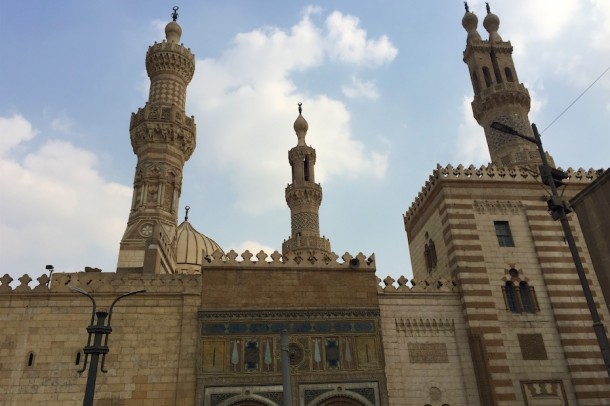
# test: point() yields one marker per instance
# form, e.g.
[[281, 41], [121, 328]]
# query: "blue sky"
[[383, 87]]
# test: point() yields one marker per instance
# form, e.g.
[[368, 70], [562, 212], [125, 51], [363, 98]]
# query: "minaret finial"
[[466, 6], [487, 7], [186, 216], [175, 13], [300, 107]]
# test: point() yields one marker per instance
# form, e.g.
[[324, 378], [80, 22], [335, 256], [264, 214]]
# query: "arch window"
[[487, 76], [306, 168], [475, 82], [519, 296], [509, 75], [430, 255], [31, 359]]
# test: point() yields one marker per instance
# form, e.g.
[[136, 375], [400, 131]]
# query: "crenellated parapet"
[[248, 260], [103, 282], [403, 285], [486, 174]]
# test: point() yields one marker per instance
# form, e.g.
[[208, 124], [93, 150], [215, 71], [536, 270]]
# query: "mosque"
[[494, 315]]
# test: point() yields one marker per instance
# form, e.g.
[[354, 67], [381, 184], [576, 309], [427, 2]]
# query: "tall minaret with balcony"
[[498, 95], [304, 196], [163, 138]]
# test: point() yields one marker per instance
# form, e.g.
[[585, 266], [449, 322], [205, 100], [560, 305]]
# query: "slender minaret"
[[304, 196], [163, 138], [498, 95]]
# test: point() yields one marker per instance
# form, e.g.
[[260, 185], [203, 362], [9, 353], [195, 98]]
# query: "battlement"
[[489, 173], [416, 286], [104, 282], [290, 260]]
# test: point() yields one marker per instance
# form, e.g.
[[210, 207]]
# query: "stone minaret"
[[304, 196], [163, 138], [498, 95]]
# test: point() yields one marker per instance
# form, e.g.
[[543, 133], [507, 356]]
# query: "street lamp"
[[102, 328], [553, 178]]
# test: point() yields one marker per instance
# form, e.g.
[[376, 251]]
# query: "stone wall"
[[152, 345], [426, 346]]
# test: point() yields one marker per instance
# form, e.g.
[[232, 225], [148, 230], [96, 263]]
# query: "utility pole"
[[101, 329], [559, 210]]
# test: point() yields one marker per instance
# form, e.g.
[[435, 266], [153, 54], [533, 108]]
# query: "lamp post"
[[99, 330], [558, 210]]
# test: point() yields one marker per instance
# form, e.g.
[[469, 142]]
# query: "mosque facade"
[[494, 314]]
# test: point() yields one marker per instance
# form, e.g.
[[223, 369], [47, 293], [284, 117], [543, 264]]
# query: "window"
[[509, 74], [511, 298], [475, 82], [487, 76], [519, 297], [306, 168], [430, 256], [30, 359], [505, 238], [528, 298]]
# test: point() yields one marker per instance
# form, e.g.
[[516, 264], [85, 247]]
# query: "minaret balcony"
[[303, 193], [170, 57], [168, 114]]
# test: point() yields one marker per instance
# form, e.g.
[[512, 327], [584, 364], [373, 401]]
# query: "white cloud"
[[600, 19], [13, 131], [359, 89], [471, 144], [62, 124], [55, 204], [246, 110], [349, 43]]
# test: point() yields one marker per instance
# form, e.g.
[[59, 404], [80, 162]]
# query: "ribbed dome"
[[191, 248]]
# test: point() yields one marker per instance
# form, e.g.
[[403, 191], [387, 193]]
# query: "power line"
[[575, 100]]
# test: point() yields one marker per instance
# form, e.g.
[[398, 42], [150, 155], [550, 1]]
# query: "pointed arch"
[[487, 76]]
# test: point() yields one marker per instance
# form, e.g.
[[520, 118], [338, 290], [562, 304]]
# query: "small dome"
[[491, 24], [191, 248], [173, 32], [470, 22], [300, 127]]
